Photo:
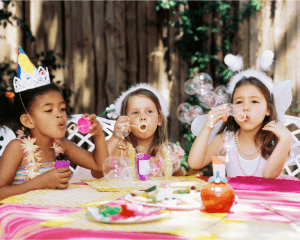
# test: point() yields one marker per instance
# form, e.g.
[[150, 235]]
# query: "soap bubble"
[[183, 112], [194, 111], [189, 87], [115, 167], [203, 78], [140, 149], [221, 90], [208, 99], [202, 88]]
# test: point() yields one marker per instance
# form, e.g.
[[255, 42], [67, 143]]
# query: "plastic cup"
[[143, 164], [218, 163], [62, 164]]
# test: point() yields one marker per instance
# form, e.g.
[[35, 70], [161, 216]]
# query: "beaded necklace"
[[33, 156], [237, 143]]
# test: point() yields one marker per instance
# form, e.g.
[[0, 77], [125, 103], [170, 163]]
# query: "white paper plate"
[[188, 201], [96, 217]]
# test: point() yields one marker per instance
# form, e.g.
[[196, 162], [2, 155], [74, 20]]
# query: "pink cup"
[[62, 164]]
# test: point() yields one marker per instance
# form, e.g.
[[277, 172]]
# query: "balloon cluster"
[[202, 86]]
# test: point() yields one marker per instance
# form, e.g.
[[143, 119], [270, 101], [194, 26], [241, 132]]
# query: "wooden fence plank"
[[110, 44], [152, 67], [142, 41], [88, 80], [77, 63], [243, 34], [291, 41], [100, 54], [280, 41], [131, 39], [120, 46], [68, 53]]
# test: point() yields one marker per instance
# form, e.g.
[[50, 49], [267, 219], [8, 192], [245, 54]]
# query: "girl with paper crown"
[[28, 161], [141, 128], [257, 146]]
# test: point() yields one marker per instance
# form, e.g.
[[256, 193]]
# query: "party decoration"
[[217, 196], [28, 76]]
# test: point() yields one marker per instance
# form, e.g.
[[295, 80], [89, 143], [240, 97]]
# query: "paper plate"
[[93, 215], [175, 201]]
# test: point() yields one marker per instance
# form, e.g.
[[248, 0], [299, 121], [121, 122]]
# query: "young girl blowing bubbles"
[[28, 161], [259, 145], [143, 115]]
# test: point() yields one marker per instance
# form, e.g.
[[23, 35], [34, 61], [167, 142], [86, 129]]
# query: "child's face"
[[249, 99], [141, 109], [49, 114]]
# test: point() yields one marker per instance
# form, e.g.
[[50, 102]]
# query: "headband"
[[162, 101], [282, 93]]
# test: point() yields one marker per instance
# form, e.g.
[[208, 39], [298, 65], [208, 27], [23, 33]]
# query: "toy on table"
[[217, 196]]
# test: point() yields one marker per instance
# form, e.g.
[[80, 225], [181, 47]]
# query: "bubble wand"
[[84, 124]]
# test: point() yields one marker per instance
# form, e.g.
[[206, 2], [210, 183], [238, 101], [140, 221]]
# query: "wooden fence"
[[110, 45]]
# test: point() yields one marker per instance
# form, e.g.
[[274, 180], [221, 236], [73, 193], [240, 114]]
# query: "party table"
[[61, 214]]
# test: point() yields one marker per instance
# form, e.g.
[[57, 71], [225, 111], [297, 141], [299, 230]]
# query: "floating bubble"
[[195, 111], [202, 88], [183, 112], [115, 167], [203, 78], [189, 87], [221, 90], [222, 98], [140, 149], [209, 99]]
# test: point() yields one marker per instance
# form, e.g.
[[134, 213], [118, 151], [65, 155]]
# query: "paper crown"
[[28, 76]]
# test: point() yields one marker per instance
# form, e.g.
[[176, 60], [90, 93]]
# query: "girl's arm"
[[84, 158], [276, 161], [201, 154], [9, 164]]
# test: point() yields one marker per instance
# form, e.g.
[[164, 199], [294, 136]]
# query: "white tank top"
[[236, 163]]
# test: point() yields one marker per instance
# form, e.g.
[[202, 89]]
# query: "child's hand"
[[56, 178], [96, 127], [122, 125], [215, 115], [279, 130]]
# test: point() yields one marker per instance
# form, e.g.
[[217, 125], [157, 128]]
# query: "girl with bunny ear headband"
[[259, 145]]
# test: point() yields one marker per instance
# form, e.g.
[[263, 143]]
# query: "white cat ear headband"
[[162, 101], [282, 93]]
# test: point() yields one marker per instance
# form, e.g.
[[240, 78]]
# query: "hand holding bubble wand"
[[84, 124]]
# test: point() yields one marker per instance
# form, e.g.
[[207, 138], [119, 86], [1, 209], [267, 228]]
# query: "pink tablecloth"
[[22, 221], [262, 184]]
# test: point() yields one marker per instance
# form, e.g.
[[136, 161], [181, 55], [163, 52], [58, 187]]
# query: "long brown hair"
[[267, 138], [160, 135]]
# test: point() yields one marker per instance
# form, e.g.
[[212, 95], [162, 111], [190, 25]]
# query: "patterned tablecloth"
[[60, 214]]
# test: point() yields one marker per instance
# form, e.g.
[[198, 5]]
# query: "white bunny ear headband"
[[282, 93], [162, 101]]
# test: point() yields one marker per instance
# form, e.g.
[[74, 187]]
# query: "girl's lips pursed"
[[62, 126], [247, 118]]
